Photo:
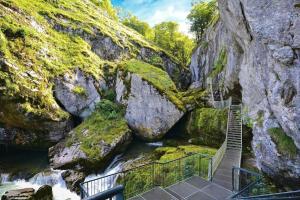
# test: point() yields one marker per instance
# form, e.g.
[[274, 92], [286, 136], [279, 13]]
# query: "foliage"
[[168, 37], [142, 27], [80, 91], [208, 126], [106, 124], [156, 77], [220, 63], [201, 16], [109, 94], [166, 154], [31, 43], [107, 6], [285, 144], [168, 169]]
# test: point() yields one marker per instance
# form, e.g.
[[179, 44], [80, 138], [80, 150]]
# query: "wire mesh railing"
[[143, 178]]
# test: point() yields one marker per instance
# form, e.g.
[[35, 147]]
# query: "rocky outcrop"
[[73, 179], [94, 142], [180, 75], [148, 112], [77, 93], [261, 41], [43, 193]]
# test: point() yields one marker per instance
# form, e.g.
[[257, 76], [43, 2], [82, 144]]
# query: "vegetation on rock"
[[156, 77], [208, 126], [105, 125], [220, 63], [285, 144]]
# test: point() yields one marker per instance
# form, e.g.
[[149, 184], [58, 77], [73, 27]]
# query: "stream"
[[26, 169]]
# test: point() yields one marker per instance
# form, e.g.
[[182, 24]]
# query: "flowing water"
[[30, 169], [25, 169]]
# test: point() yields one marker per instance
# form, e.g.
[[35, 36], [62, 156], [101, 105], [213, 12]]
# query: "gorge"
[[79, 88]]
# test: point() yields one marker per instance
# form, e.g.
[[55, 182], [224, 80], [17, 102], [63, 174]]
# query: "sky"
[[156, 11]]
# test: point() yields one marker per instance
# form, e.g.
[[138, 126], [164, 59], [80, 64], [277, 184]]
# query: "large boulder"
[[94, 142], [261, 42], [77, 93], [149, 95]]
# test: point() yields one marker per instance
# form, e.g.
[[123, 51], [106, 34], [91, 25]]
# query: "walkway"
[[194, 188], [232, 157]]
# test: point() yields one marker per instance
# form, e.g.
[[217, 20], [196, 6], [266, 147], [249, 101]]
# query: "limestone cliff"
[[252, 53], [58, 59]]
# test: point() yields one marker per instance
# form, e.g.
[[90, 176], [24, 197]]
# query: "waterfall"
[[4, 178], [115, 166], [49, 177]]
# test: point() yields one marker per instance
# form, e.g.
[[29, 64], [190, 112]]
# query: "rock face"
[[77, 93], [261, 40], [148, 112], [43, 193], [73, 179]]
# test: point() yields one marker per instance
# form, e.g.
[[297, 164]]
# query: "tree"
[[142, 27], [201, 15], [108, 7], [168, 37]]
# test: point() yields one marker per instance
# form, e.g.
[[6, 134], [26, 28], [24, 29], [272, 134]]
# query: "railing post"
[[211, 169]]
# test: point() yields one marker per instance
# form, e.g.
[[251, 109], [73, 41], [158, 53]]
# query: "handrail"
[[258, 178], [116, 192], [157, 175], [217, 158], [274, 195]]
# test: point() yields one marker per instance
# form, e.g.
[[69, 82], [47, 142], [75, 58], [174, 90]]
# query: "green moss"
[[156, 77], [166, 154], [194, 97], [79, 91], [220, 63], [30, 43], [285, 144], [106, 124], [208, 126]]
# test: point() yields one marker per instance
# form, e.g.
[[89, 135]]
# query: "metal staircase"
[[234, 135]]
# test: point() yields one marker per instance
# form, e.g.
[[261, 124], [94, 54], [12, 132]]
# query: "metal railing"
[[217, 158], [244, 182], [251, 186], [115, 193], [145, 177]]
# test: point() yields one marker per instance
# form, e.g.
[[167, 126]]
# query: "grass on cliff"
[[106, 124], [156, 77], [219, 64], [43, 39], [285, 144]]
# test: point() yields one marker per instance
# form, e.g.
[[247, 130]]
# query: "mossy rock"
[[208, 126], [157, 78]]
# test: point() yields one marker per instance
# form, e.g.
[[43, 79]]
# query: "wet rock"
[[44, 193], [21, 194], [73, 179]]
